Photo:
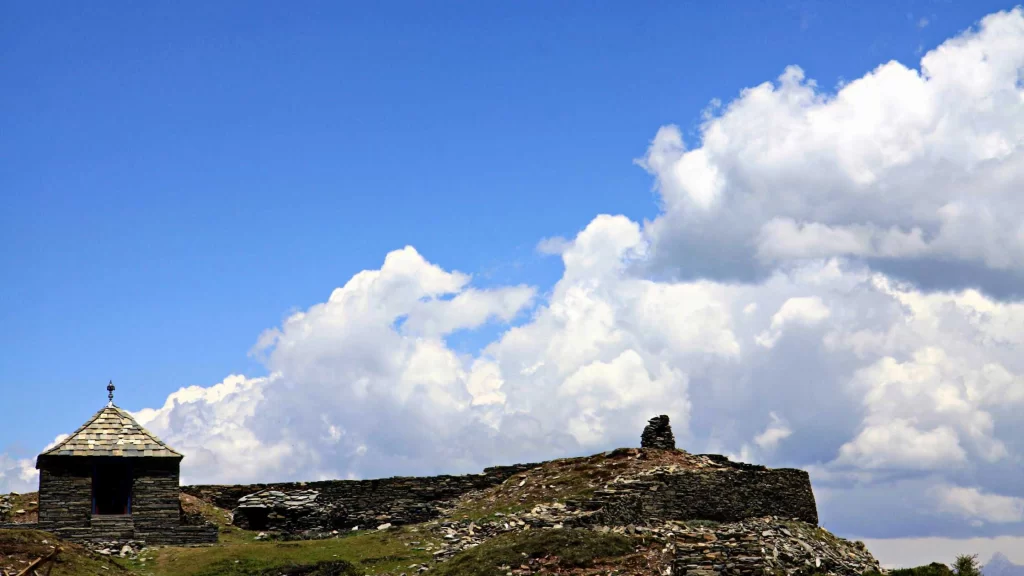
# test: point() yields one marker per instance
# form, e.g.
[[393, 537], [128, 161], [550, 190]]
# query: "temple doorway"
[[112, 488]]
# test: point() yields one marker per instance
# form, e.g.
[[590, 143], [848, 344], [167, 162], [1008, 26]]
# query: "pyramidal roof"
[[112, 432]]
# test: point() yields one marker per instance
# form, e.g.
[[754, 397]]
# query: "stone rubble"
[[658, 434], [6, 506], [765, 546], [459, 535], [751, 547], [124, 549]]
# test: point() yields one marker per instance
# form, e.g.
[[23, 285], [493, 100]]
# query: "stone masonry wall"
[[156, 503], [349, 503], [65, 506], [65, 496], [727, 495], [731, 493]]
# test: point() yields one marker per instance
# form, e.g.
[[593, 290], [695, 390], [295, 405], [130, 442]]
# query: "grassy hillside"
[[20, 547], [522, 526], [239, 553], [569, 479], [559, 551]]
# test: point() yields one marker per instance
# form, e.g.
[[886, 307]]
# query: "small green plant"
[[967, 565], [964, 565], [933, 569]]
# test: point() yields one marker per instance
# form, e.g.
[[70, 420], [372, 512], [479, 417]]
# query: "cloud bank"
[[833, 283]]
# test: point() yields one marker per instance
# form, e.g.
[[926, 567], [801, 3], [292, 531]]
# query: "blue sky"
[[178, 179]]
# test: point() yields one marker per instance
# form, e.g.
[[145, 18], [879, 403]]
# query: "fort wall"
[[726, 493], [343, 504]]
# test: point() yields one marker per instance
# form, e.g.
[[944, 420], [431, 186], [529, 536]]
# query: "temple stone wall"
[[65, 505], [65, 495], [109, 529], [156, 503]]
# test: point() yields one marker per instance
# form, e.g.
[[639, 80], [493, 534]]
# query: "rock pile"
[[658, 434], [294, 510], [124, 549], [755, 546], [765, 546], [6, 504], [459, 535]]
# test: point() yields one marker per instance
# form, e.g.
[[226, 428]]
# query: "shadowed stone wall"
[[722, 495], [734, 492], [348, 503]]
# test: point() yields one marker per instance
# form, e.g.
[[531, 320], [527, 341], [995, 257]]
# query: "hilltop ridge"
[[629, 511], [682, 513]]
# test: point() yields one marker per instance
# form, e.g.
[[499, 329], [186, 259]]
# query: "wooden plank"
[[39, 562]]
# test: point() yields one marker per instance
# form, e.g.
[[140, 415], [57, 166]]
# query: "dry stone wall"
[[729, 493], [717, 489], [342, 504], [721, 495]]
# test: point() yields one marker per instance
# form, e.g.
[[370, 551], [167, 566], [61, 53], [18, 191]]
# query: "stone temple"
[[113, 480]]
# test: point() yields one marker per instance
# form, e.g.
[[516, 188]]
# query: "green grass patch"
[[237, 553], [933, 569], [567, 548], [251, 568], [700, 523]]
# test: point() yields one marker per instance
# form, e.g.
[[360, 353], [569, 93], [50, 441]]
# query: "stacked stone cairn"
[[658, 434]]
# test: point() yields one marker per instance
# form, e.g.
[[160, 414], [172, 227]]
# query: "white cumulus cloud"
[[783, 307], [900, 164]]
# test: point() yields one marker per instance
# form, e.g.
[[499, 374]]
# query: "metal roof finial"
[[110, 393]]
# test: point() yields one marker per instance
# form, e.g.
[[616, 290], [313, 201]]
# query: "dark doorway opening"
[[257, 518], [112, 488]]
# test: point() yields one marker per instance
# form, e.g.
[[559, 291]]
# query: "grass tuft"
[[368, 552]]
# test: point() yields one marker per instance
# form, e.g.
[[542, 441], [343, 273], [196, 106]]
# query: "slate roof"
[[112, 432]]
